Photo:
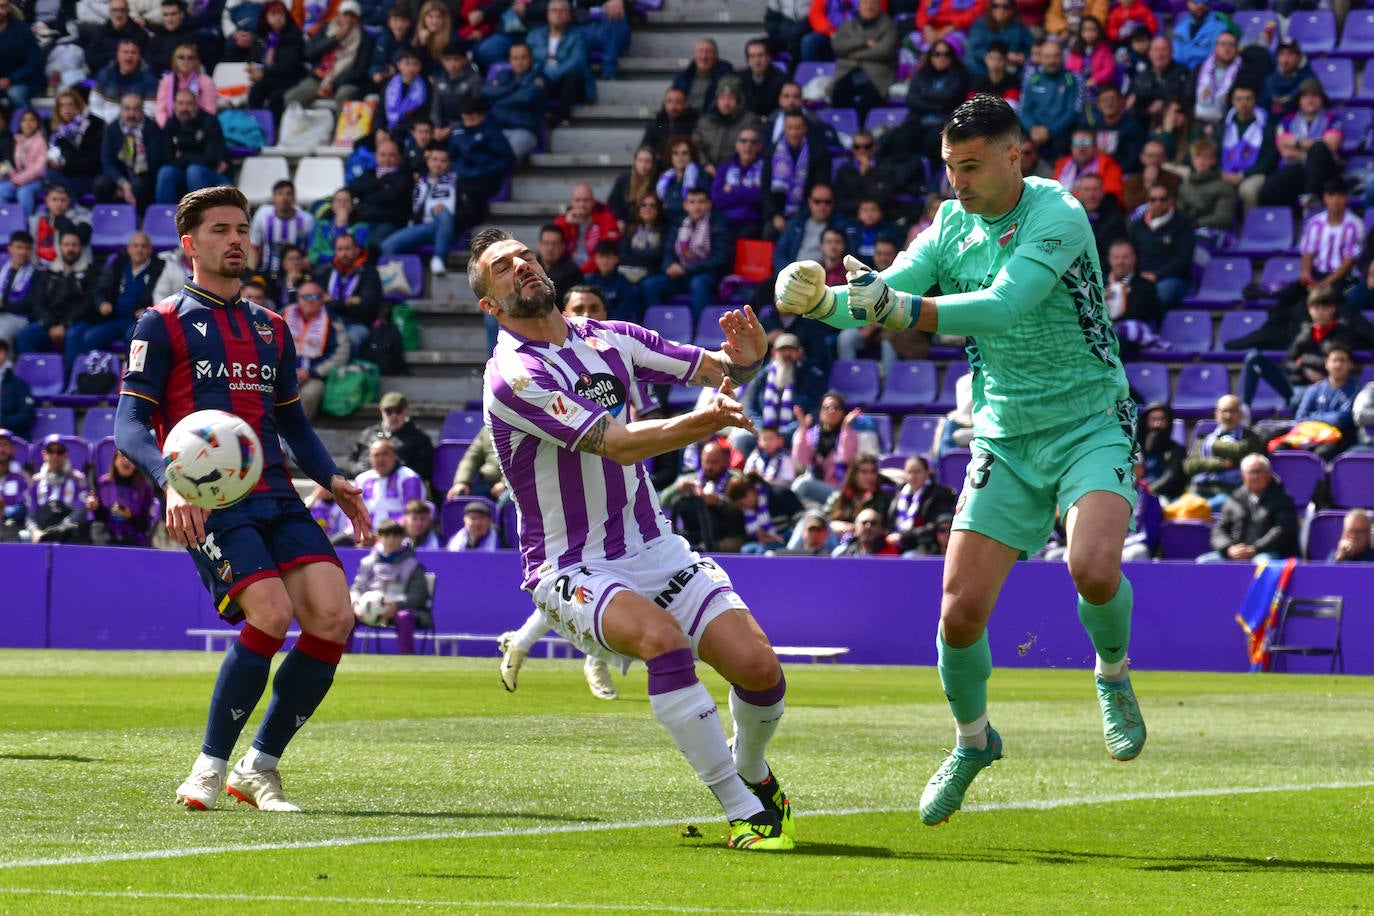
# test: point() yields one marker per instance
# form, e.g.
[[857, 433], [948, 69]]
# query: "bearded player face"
[[219, 244], [518, 283]]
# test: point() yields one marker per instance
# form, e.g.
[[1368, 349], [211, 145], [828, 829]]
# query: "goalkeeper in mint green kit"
[[1053, 421]]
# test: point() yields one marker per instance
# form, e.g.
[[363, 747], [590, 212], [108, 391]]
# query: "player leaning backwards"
[[1053, 421], [264, 558]]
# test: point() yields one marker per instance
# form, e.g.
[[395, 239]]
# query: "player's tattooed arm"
[[594, 439], [741, 356]]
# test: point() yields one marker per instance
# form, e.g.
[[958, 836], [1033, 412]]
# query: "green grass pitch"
[[427, 788]]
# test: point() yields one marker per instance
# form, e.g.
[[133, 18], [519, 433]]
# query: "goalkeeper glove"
[[800, 289], [871, 300]]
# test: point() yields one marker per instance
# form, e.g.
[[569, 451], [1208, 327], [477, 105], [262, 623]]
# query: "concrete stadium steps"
[[661, 68], [675, 39], [632, 91], [580, 160], [614, 141], [539, 185]]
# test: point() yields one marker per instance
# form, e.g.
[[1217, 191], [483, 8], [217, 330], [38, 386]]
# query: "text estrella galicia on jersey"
[[602, 388], [264, 330]]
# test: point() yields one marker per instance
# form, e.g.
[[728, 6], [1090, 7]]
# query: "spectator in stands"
[[771, 459], [937, 87], [869, 537], [645, 239], [398, 34], [863, 232], [186, 75], [406, 95], [1132, 300], [1213, 463], [1353, 547], [1196, 36], [518, 98], [275, 226], [419, 526], [196, 154], [995, 78], [353, 290], [1332, 400], [787, 22], [18, 291], [16, 404], [484, 160], [101, 43], [584, 223], [811, 538], [1216, 75], [631, 185], [818, 447], [458, 81], [939, 19], [1309, 144], [60, 216], [392, 569], [1361, 295], [790, 382], [1160, 454], [1258, 520], [1089, 56], [57, 498], [21, 174], [1063, 18], [1279, 95], [1086, 159], [699, 79], [1204, 197], [1117, 132], [699, 253], [322, 343], [699, 505], [558, 263], [752, 497], [1049, 102], [761, 82], [74, 145], [1001, 22], [863, 488], [1104, 213], [334, 221], [176, 31], [479, 471], [388, 484], [133, 151], [618, 295], [283, 63], [921, 506], [718, 129], [794, 166], [383, 193], [69, 284], [295, 270], [1249, 151], [1163, 240], [124, 289], [339, 57], [21, 60], [14, 484], [413, 447], [477, 532], [1167, 80], [737, 192], [674, 119], [435, 28], [560, 57], [1136, 187], [434, 205], [123, 509], [608, 33], [681, 177], [865, 48], [790, 103], [1032, 163], [126, 75], [1129, 17], [864, 176]]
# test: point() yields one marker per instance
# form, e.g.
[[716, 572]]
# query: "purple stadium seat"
[[845, 121], [856, 379], [1223, 279], [1365, 93], [451, 513], [884, 117], [1355, 124], [808, 70], [882, 425], [1324, 533], [510, 524], [708, 333], [415, 273], [1278, 273], [111, 226], [1238, 324], [49, 420], [892, 462], [97, 424], [1315, 31], [1199, 387], [1267, 402], [80, 364], [1299, 471], [1201, 429], [1189, 330], [1184, 539], [161, 226], [1357, 36], [910, 385], [1178, 431], [1352, 480], [1337, 76], [1251, 24], [269, 133], [1149, 380], [447, 454], [12, 219], [917, 435], [952, 468], [683, 397], [102, 457], [670, 321], [461, 424], [956, 370], [1267, 231], [44, 372]]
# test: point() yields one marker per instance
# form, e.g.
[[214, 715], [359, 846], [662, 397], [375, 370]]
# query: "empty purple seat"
[[414, 270], [1278, 273], [910, 385], [1324, 533], [1299, 472], [956, 370], [1267, 402], [1352, 479], [1357, 36], [670, 321], [857, 379], [845, 122], [160, 224], [1184, 539], [461, 424], [112, 225], [1314, 30], [1365, 93], [708, 333], [49, 420], [1355, 124], [447, 454], [102, 457], [1201, 430], [1267, 231], [1222, 281], [1237, 324], [953, 467], [683, 397], [451, 513], [1149, 380], [1189, 330], [1252, 24], [882, 425], [884, 117], [809, 70], [12, 219], [1199, 387], [917, 435], [97, 424], [44, 372], [1337, 76]]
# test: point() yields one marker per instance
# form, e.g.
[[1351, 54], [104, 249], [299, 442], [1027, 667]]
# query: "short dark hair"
[[283, 183], [551, 227], [586, 289], [1336, 186], [606, 246], [408, 52], [983, 117], [21, 235], [179, 4], [1338, 346], [74, 233], [703, 192], [477, 277], [191, 210]]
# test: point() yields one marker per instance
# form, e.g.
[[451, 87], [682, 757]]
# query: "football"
[[212, 458], [370, 607]]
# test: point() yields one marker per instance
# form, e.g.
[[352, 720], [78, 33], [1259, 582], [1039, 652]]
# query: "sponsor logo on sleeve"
[[564, 410], [1049, 246], [138, 354]]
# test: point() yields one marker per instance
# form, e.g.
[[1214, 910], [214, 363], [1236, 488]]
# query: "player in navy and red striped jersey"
[[264, 559]]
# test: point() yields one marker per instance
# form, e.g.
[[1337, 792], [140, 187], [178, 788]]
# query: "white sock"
[[691, 717], [754, 727], [533, 628], [973, 734], [257, 760], [206, 762], [1111, 671]]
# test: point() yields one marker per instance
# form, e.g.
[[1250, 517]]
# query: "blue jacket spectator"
[[131, 153], [700, 78], [21, 61], [1051, 101], [800, 239], [620, 295], [1196, 35], [518, 98], [641, 245], [1332, 401], [389, 43], [1279, 95], [481, 156], [699, 251], [126, 74], [16, 398], [987, 29], [567, 71]]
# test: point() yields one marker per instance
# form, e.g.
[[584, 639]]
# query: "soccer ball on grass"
[[212, 458]]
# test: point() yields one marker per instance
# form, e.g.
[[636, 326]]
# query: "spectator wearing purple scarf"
[[790, 170], [700, 251], [125, 504], [737, 193]]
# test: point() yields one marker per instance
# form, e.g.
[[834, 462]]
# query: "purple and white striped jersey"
[[386, 497], [539, 400], [269, 232], [1330, 245]]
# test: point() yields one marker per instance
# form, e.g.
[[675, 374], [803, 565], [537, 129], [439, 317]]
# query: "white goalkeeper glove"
[[801, 290], [871, 300]]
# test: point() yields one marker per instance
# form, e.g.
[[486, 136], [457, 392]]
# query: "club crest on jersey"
[[225, 572], [264, 330], [520, 383], [596, 343], [1006, 236]]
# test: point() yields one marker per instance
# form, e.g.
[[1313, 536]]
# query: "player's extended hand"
[[350, 499], [800, 289], [873, 301], [724, 410], [745, 341], [185, 522]]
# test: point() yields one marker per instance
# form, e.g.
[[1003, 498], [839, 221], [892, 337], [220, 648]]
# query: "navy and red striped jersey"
[[194, 351]]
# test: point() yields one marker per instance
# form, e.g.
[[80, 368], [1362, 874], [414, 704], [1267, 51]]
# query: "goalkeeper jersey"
[[1026, 289]]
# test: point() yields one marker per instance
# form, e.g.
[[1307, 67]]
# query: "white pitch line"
[[339, 842]]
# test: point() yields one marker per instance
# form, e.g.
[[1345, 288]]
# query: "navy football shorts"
[[259, 538]]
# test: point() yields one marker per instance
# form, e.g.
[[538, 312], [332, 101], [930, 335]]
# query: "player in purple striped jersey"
[[276, 226], [599, 558]]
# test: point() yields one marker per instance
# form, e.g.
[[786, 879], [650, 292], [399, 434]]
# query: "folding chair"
[[1302, 622]]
